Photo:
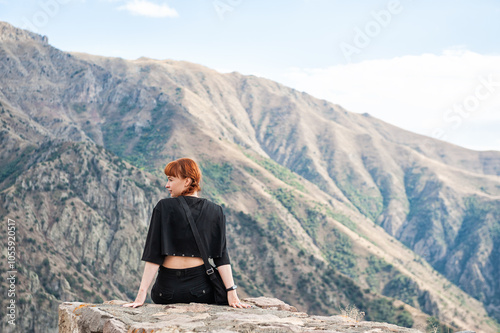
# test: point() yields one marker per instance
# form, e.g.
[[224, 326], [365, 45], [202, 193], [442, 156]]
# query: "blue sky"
[[432, 67]]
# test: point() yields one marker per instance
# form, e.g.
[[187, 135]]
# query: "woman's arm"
[[227, 277], [150, 270]]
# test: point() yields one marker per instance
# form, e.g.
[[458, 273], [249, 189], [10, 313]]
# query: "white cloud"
[[150, 9], [435, 95]]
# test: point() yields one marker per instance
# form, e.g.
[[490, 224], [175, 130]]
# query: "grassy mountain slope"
[[311, 236]]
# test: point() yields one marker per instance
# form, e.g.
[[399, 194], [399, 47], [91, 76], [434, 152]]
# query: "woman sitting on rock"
[[171, 248]]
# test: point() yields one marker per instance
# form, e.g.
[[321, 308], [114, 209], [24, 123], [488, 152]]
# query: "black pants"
[[182, 286]]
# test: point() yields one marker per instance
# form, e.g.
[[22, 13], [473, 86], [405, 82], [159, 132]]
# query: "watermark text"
[[363, 37], [224, 6], [12, 272], [48, 10]]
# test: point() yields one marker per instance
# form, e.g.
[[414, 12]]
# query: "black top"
[[170, 233]]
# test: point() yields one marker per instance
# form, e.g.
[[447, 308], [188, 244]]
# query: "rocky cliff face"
[[316, 197], [267, 315]]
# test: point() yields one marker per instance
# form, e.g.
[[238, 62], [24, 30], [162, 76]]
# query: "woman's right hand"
[[234, 301]]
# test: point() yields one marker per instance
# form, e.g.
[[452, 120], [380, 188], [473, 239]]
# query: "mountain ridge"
[[246, 131]]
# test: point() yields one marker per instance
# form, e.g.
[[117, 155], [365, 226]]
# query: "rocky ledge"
[[266, 315]]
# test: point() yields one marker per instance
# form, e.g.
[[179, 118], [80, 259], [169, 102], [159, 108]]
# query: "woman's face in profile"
[[176, 185]]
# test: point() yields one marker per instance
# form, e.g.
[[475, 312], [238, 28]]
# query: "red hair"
[[185, 168]]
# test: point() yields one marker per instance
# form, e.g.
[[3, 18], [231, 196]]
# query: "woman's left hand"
[[139, 301], [234, 301]]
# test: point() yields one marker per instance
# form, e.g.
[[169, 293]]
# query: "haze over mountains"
[[325, 207]]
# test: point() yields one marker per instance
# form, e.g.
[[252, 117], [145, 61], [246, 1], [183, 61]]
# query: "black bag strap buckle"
[[210, 271]]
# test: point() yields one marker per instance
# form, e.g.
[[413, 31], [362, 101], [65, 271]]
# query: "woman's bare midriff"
[[177, 262]]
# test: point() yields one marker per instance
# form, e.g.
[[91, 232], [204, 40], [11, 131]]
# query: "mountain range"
[[326, 208]]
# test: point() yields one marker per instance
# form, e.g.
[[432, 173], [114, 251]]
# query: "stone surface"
[[266, 315]]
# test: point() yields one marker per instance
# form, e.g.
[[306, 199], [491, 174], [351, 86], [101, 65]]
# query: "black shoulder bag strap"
[[196, 234], [216, 280], [220, 292]]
